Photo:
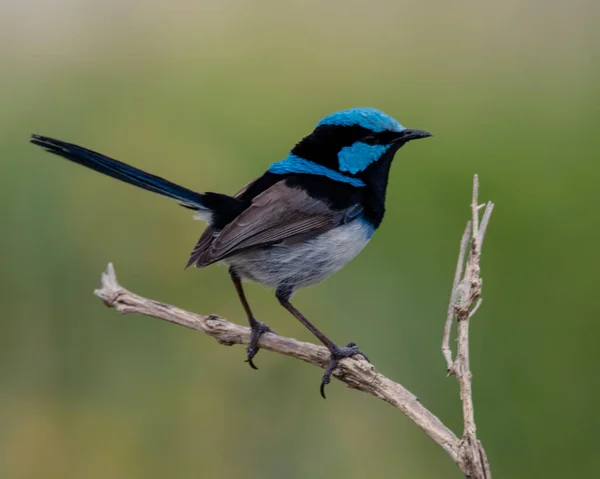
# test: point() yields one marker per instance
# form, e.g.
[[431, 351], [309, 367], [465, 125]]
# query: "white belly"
[[305, 263]]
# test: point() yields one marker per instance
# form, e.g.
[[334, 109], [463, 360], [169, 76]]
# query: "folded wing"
[[279, 214]]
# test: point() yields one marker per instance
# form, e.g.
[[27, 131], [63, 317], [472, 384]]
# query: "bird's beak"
[[408, 135]]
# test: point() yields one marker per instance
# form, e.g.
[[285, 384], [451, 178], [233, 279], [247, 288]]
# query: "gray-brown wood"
[[465, 300], [467, 452]]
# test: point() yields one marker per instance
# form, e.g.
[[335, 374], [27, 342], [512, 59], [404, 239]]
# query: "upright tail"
[[121, 171]]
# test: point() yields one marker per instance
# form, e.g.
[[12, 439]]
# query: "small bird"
[[297, 224]]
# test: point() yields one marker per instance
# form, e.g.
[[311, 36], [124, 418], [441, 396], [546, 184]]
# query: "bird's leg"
[[258, 328], [336, 352]]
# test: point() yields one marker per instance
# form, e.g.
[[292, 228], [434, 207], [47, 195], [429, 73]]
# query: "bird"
[[301, 221]]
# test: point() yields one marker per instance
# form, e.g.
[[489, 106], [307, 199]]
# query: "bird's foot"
[[258, 329], [338, 353]]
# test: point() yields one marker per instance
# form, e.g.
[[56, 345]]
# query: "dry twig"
[[465, 300], [357, 373]]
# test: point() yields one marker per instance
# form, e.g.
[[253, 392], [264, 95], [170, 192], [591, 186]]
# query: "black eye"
[[370, 139]]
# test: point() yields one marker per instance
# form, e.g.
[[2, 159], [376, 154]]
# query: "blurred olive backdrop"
[[210, 93]]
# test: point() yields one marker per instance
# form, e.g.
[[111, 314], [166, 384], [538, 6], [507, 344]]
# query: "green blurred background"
[[210, 93]]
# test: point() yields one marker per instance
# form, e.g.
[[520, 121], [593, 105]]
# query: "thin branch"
[[476, 307], [356, 373], [446, 350], [464, 303], [475, 203], [489, 207], [467, 452]]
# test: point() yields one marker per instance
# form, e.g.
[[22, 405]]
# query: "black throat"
[[376, 178]]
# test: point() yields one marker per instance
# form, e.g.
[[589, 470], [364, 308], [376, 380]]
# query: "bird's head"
[[358, 145]]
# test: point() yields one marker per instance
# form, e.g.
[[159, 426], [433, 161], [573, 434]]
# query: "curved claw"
[[351, 349], [258, 329], [322, 389], [250, 362]]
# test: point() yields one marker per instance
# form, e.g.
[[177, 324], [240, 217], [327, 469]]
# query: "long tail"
[[121, 171]]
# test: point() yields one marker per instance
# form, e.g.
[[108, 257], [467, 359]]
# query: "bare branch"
[[475, 203], [489, 207], [467, 452], [476, 307], [446, 350], [464, 303], [356, 373]]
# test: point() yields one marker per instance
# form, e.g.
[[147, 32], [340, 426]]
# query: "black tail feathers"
[[121, 171]]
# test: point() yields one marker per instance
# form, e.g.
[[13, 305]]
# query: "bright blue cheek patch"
[[359, 156]]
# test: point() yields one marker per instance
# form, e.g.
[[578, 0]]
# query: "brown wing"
[[278, 214], [209, 234]]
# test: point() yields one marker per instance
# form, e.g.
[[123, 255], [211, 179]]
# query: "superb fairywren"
[[297, 224]]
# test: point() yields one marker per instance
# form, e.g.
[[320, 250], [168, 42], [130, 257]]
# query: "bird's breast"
[[305, 263]]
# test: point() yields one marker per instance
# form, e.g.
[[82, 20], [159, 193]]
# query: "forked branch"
[[357, 373], [465, 300]]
